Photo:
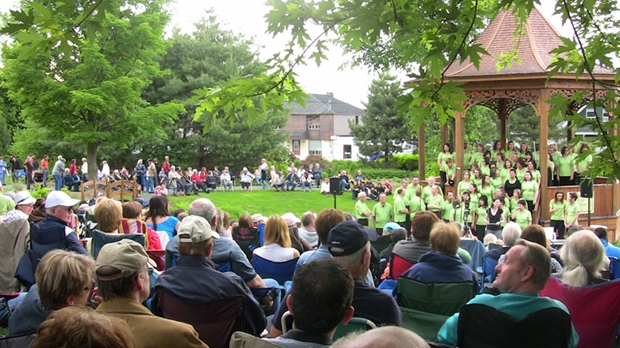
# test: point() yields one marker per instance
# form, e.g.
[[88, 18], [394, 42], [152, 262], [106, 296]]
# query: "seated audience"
[[108, 214], [510, 233], [349, 244], [421, 226], [82, 327], [320, 300], [24, 204], [308, 232], [584, 258], [382, 337], [601, 232], [195, 279], [158, 218], [520, 278], [123, 279], [325, 221], [62, 279], [441, 264], [277, 246], [132, 217], [536, 234]]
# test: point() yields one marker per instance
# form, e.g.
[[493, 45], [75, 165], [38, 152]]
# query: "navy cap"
[[347, 237]]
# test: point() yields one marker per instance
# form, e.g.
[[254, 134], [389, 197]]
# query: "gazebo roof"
[[534, 47]]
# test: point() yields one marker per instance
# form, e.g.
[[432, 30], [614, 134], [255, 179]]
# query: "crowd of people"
[[337, 271]]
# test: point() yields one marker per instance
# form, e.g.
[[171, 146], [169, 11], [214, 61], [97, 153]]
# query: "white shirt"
[[105, 170], [85, 168]]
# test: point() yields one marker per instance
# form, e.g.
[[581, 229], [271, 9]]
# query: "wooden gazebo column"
[[503, 116], [543, 112], [459, 144]]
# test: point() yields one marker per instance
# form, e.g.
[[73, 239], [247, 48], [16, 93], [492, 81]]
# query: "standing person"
[[565, 167], [557, 207], [445, 154], [318, 174], [521, 215], [140, 171], [73, 168], [382, 213], [448, 206], [151, 174], [512, 183], [479, 217], [84, 169], [530, 192], [400, 207], [436, 202], [463, 185], [57, 172], [29, 169], [264, 173], [105, 170], [3, 171], [571, 212], [166, 168], [583, 165], [362, 212], [45, 169], [16, 167], [495, 218]]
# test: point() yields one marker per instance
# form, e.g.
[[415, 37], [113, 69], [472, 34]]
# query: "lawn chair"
[[437, 298], [280, 271], [214, 321], [101, 238], [399, 266]]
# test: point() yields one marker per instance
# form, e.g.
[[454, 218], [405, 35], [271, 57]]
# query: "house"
[[588, 111], [322, 128]]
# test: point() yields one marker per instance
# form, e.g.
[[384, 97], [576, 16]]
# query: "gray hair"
[[584, 256], [354, 259], [510, 233], [204, 208]]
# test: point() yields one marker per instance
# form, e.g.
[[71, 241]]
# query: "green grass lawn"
[[269, 202]]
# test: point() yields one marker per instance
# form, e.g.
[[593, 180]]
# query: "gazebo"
[[524, 84]]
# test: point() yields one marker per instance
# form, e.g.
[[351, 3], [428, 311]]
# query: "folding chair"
[[425, 324], [247, 239], [488, 269], [214, 321], [101, 238], [382, 243], [280, 271], [614, 267], [355, 324], [436, 298], [244, 340], [14, 241], [481, 326], [399, 266], [594, 310]]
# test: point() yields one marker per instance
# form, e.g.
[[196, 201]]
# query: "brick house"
[[322, 128]]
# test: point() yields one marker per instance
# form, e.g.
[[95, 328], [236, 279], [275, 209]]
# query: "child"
[[325, 187]]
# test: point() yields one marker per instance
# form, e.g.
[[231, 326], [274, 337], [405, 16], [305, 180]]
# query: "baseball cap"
[[291, 219], [23, 197], [258, 217], [348, 237], [125, 255], [56, 198], [194, 229], [391, 226]]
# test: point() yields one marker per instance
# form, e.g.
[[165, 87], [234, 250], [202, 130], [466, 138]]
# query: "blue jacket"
[[438, 268]]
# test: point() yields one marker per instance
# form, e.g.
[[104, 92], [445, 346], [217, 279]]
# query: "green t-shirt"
[[416, 204], [559, 214], [473, 201], [487, 191], [572, 210], [443, 157], [528, 190], [565, 165], [427, 194], [399, 204], [497, 182], [535, 175], [360, 209], [459, 212], [481, 213], [485, 170], [448, 211], [463, 187], [466, 160], [551, 166], [508, 154], [436, 201], [477, 157], [523, 218], [450, 171], [382, 214], [582, 165], [521, 174], [477, 181], [411, 189]]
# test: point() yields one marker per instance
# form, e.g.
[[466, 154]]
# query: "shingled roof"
[[535, 44], [320, 104]]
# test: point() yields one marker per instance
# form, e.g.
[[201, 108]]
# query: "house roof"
[[318, 104], [534, 47]]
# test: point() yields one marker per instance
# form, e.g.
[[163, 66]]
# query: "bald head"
[[383, 337]]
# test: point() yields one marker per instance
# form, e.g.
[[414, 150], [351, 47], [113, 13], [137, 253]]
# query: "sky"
[[247, 17]]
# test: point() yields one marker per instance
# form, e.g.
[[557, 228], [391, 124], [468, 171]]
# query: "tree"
[[89, 93], [382, 129], [444, 31], [524, 126], [205, 58]]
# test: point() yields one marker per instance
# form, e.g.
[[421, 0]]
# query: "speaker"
[[334, 186], [586, 187]]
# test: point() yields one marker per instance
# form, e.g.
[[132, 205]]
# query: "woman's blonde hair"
[[276, 231], [584, 256], [61, 274], [445, 238], [108, 214]]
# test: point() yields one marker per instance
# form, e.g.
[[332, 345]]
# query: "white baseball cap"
[[59, 198], [23, 197], [194, 229]]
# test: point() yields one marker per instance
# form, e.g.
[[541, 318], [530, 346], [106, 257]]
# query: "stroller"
[[37, 176]]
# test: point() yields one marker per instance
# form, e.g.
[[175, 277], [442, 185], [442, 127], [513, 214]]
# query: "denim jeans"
[[343, 184], [289, 184], [57, 182], [150, 184]]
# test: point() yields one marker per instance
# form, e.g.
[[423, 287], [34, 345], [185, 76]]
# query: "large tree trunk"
[[91, 156]]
